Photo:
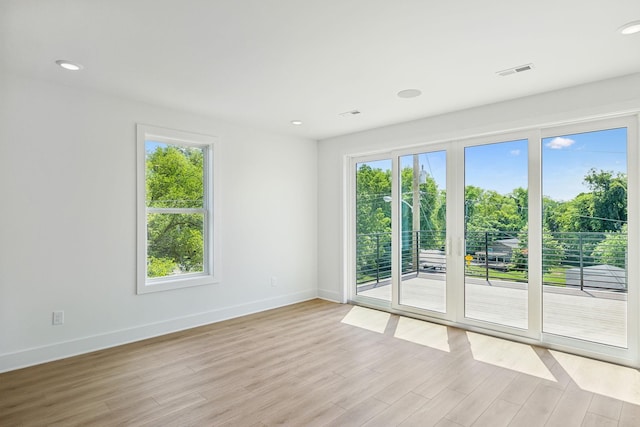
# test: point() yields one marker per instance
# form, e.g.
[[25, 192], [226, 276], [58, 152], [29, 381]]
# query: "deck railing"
[[583, 260]]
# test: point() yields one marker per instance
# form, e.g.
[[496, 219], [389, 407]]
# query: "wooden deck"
[[598, 316]]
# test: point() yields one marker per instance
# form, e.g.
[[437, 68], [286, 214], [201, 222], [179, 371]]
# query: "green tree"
[[174, 179], [604, 208], [431, 209], [609, 198], [553, 253], [373, 223], [613, 249]]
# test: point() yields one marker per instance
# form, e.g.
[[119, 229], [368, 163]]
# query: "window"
[[531, 234], [585, 240], [176, 220]]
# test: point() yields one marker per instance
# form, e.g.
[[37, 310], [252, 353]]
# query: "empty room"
[[345, 213]]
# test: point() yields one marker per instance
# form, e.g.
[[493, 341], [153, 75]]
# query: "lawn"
[[556, 276]]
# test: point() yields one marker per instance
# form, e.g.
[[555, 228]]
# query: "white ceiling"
[[264, 63]]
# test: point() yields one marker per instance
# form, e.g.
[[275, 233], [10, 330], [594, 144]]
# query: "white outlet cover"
[[58, 318]]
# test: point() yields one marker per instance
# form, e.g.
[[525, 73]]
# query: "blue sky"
[[502, 167], [150, 146], [567, 159], [434, 164]]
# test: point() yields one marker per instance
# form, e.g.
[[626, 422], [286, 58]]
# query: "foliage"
[[613, 249], [175, 179], [553, 252], [159, 267], [601, 210]]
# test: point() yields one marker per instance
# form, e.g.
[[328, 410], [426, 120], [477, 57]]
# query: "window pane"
[[584, 242], [423, 230], [496, 215], [373, 229], [175, 244], [174, 176]]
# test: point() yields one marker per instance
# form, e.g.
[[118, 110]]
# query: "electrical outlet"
[[274, 281], [58, 318]]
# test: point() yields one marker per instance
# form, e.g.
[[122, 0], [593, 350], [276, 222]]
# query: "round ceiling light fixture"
[[409, 93], [69, 65], [630, 28], [296, 122]]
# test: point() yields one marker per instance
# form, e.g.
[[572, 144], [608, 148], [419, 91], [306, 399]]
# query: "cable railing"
[[420, 251], [589, 260], [580, 260]]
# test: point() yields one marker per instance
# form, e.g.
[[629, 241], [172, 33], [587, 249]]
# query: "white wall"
[[67, 223], [577, 103]]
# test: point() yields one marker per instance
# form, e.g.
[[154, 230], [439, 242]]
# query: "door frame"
[[454, 316]]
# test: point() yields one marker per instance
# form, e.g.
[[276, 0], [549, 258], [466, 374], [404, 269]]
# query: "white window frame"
[[211, 258], [535, 334]]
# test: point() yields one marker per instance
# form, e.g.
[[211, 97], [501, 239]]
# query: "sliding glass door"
[[585, 253], [373, 229], [532, 234], [496, 200], [423, 230]]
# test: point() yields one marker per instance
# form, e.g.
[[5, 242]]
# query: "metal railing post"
[[417, 252], [377, 258], [581, 262], [486, 255]]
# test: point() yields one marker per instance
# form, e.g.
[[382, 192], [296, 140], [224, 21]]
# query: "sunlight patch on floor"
[[366, 318], [423, 333], [607, 379], [508, 354]]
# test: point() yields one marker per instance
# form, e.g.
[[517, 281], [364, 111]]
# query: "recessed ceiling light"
[[630, 28], [68, 65], [409, 93], [296, 122]]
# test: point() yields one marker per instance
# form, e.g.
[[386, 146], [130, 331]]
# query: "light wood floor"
[[320, 363]]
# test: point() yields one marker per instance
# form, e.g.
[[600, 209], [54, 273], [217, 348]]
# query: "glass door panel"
[[423, 201], [495, 220], [584, 245], [373, 229]]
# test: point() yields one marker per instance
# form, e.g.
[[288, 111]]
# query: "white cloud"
[[558, 143], [515, 152]]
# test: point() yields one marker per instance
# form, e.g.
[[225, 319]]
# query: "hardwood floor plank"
[[571, 408], [537, 409], [605, 406], [399, 411], [520, 389], [595, 420], [481, 398], [359, 414], [301, 366], [435, 409], [630, 415], [499, 414]]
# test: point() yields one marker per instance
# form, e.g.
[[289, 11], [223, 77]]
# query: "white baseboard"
[[330, 296], [62, 350]]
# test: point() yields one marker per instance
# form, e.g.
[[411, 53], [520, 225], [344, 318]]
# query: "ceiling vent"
[[349, 113], [514, 70]]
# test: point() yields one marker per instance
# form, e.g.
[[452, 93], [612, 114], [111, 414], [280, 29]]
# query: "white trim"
[[64, 349], [350, 225], [332, 296], [211, 210], [455, 193], [534, 264]]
